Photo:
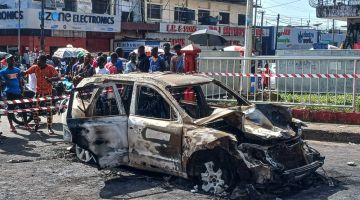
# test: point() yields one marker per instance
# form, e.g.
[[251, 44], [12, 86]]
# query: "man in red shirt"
[[111, 66], [45, 75]]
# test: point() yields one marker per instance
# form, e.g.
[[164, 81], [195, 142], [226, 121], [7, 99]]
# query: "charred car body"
[[166, 123]]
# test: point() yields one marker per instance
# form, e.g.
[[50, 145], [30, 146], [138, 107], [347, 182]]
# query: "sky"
[[294, 12]]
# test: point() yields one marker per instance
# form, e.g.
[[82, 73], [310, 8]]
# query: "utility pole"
[[277, 31], [19, 27], [255, 25], [333, 31], [42, 42], [246, 67], [261, 27], [248, 28]]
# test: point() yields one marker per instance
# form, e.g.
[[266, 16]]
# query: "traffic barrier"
[[21, 101], [328, 76], [5, 112]]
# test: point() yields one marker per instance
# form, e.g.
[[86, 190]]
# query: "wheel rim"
[[212, 181], [83, 155]]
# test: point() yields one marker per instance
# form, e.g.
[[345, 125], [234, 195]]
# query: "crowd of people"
[[46, 70]]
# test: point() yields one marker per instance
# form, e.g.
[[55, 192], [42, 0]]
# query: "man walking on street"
[[156, 63], [13, 89], [143, 61], [45, 75]]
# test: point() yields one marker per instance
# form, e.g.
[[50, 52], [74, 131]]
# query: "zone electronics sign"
[[56, 20], [77, 18]]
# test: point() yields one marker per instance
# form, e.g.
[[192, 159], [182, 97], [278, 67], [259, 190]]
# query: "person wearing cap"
[[177, 62], [84, 70], [156, 63], [131, 65], [45, 76], [13, 89], [80, 57], [167, 56]]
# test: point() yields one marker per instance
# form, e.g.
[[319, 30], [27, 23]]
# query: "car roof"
[[164, 78]]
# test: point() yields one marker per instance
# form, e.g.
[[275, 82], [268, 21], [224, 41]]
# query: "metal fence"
[[304, 81]]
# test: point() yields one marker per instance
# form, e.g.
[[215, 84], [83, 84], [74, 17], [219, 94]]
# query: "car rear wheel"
[[84, 155]]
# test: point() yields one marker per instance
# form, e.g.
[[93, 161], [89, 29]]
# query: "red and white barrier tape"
[[327, 76], [5, 112], [20, 101]]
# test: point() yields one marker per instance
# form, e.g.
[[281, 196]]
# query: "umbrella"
[[3, 55], [69, 52], [148, 51], [235, 48], [207, 37]]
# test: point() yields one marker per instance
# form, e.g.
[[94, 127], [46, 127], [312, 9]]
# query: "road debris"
[[19, 161], [352, 164], [195, 189]]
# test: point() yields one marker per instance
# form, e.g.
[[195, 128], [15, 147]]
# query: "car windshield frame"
[[205, 104]]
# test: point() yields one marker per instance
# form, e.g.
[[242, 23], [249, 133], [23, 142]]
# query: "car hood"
[[251, 121]]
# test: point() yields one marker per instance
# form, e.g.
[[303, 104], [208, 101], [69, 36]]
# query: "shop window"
[[203, 14], [184, 14], [224, 18], [70, 5], [151, 104], [154, 11], [127, 17], [101, 6], [241, 20]]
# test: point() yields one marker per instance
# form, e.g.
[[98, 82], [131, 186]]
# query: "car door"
[[97, 122], [155, 131]]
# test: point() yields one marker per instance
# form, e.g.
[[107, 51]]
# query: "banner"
[[296, 38], [59, 20]]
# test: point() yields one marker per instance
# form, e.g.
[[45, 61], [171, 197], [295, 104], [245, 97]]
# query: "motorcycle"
[[59, 89]]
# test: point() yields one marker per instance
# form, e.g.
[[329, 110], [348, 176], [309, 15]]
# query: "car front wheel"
[[84, 155], [216, 175]]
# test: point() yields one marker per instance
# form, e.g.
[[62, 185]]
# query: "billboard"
[[296, 38], [59, 20]]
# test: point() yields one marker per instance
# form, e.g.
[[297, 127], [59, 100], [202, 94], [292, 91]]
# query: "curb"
[[329, 136], [327, 116]]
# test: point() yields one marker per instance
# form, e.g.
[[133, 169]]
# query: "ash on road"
[[37, 166]]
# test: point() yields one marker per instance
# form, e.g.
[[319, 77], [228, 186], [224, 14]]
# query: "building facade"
[[345, 10], [90, 24], [174, 20]]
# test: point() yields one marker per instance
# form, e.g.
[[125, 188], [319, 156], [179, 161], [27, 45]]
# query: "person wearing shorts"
[[45, 75], [13, 89]]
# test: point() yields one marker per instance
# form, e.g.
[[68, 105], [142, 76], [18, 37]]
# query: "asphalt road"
[[37, 166]]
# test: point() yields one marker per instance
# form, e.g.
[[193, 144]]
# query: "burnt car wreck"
[[166, 123]]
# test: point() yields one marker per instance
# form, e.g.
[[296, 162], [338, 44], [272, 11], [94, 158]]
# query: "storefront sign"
[[31, 18], [296, 38], [184, 28], [223, 30], [128, 46]]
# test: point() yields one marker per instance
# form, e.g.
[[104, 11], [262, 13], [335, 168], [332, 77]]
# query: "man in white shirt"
[[131, 65], [100, 69]]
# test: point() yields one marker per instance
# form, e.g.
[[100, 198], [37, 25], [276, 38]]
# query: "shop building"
[[174, 20], [89, 24]]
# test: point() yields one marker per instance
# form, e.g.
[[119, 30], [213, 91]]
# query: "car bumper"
[[301, 172]]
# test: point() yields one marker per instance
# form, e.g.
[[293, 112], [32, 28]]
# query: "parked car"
[[168, 123]]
